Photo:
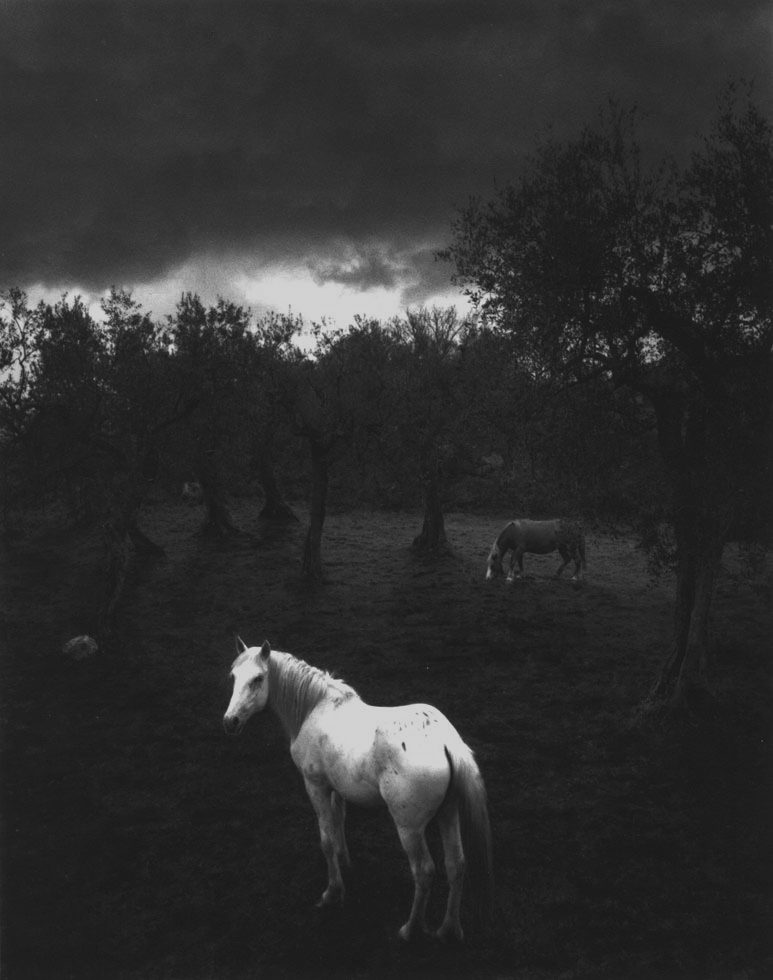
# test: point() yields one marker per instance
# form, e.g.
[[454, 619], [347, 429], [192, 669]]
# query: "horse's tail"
[[467, 792]]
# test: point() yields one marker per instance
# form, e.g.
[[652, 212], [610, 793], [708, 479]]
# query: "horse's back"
[[369, 754], [410, 754], [417, 729], [538, 537]]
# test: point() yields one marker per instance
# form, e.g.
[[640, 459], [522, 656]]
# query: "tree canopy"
[[658, 280]]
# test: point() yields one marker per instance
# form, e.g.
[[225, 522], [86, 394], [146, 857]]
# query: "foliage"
[[620, 348], [658, 282], [18, 356]]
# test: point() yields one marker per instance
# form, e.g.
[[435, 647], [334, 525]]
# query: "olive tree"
[[659, 280], [431, 396]]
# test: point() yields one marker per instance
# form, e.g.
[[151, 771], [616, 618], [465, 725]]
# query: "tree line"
[[98, 412], [617, 363]]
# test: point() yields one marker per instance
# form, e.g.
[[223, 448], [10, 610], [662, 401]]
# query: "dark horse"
[[538, 538]]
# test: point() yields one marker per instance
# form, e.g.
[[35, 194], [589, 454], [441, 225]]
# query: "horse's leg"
[[448, 822], [330, 834], [423, 870], [338, 805], [517, 556], [577, 577], [566, 556]]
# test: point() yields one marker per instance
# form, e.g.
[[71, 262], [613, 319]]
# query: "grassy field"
[[140, 842]]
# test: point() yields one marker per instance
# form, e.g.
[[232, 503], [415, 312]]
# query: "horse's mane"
[[295, 688], [500, 536]]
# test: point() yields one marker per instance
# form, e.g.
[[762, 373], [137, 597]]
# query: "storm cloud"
[[338, 136]]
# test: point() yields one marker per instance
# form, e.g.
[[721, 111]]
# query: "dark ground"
[[140, 842]]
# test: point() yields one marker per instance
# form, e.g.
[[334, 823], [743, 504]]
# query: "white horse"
[[409, 758]]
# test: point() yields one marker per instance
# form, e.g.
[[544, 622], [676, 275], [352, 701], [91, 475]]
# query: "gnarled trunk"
[[433, 533], [693, 675], [274, 508], [700, 529], [311, 567], [121, 533], [116, 540], [683, 680], [700, 525], [218, 518]]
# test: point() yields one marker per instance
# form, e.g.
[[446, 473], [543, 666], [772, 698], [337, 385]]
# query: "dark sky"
[[311, 154]]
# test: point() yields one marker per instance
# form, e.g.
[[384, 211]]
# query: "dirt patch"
[[140, 842]]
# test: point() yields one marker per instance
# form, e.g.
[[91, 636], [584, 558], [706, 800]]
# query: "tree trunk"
[[693, 676], [685, 596], [218, 518], [275, 508], [433, 533], [311, 568], [683, 681], [683, 438], [141, 468], [117, 547], [120, 533]]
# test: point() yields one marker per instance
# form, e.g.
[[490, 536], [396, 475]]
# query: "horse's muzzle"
[[231, 724]]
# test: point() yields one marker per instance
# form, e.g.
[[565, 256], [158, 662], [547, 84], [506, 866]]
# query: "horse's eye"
[[256, 681]]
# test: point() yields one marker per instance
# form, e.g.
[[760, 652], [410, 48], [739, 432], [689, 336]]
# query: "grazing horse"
[[538, 538], [409, 758]]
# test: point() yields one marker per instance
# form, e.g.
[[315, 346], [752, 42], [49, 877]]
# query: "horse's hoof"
[[450, 934], [408, 932], [330, 900]]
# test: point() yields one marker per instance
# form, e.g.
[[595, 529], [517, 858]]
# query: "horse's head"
[[494, 566], [250, 676]]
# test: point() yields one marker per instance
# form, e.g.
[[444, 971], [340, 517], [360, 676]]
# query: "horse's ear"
[[241, 646], [265, 650]]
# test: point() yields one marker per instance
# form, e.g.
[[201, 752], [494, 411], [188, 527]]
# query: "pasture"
[[141, 842]]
